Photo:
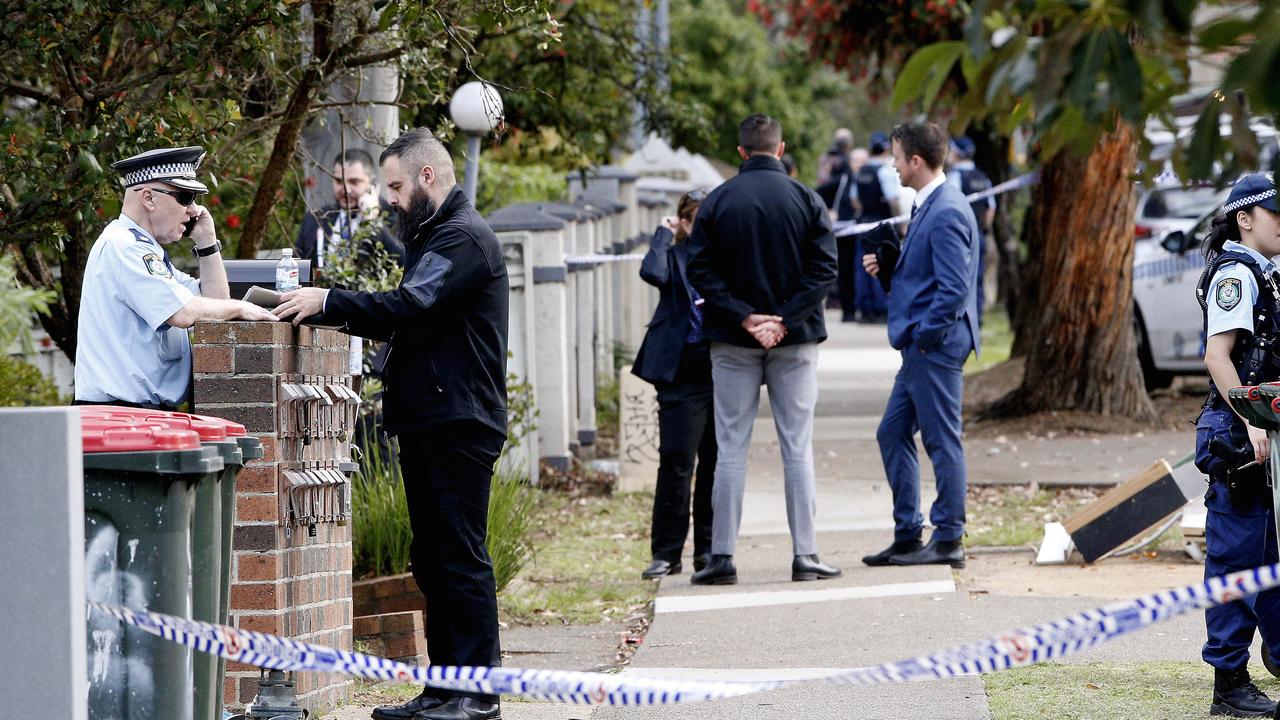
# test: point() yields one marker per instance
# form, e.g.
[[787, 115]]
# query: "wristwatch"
[[216, 247]]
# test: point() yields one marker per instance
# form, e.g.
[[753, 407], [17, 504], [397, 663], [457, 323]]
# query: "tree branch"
[[29, 91]]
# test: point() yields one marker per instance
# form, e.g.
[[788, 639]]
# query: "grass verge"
[[1014, 515], [587, 556], [1108, 691], [997, 339]]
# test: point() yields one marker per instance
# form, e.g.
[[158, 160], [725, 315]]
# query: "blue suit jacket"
[[933, 298], [664, 267]]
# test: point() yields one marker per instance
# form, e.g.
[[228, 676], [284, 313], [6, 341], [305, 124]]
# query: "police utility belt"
[[1255, 358]]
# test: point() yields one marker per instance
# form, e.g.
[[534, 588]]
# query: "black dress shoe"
[[899, 547], [937, 552], [660, 568], [809, 567], [701, 561], [462, 708], [408, 710], [720, 571]]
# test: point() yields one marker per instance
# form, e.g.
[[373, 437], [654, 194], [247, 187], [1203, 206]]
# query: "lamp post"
[[476, 109]]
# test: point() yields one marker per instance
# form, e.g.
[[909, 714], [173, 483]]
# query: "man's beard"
[[421, 208]]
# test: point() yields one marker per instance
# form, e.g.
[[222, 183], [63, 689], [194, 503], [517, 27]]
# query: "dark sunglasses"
[[185, 198], [697, 195]]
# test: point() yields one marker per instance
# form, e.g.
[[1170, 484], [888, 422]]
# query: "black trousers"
[[846, 252], [447, 470], [686, 434]]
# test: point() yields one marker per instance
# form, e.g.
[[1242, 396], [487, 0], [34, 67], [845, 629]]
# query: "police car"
[[1166, 316]]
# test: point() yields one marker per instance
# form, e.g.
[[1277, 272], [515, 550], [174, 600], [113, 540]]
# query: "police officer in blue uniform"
[[1240, 297], [132, 346], [966, 177], [878, 190]]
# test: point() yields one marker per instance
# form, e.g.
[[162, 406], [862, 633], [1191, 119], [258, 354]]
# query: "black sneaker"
[[1235, 695]]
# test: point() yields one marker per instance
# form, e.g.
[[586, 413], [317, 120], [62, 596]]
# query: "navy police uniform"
[[126, 352], [1238, 291], [966, 176], [876, 184]]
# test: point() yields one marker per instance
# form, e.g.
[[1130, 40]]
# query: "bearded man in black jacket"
[[445, 399]]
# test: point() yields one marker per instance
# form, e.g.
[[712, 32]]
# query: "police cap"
[[1253, 189], [174, 166], [962, 146]]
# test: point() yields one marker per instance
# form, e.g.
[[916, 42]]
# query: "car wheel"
[[1152, 378]]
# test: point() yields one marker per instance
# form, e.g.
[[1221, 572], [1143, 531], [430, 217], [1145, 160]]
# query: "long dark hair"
[[1224, 228], [685, 209]]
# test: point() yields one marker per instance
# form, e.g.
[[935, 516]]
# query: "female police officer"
[[1241, 300]]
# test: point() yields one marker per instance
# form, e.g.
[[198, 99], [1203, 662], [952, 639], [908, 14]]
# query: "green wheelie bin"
[[211, 536], [140, 487]]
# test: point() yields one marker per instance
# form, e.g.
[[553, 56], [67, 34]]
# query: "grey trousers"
[[791, 374]]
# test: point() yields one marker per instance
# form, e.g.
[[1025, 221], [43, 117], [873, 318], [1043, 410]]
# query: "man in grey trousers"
[[763, 256]]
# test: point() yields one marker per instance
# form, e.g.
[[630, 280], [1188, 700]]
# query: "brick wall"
[[398, 636], [290, 578]]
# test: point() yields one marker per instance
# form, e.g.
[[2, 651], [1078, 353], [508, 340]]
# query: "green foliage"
[[522, 413], [380, 533], [22, 384], [511, 514], [377, 271], [608, 408], [502, 184], [17, 305], [725, 67]]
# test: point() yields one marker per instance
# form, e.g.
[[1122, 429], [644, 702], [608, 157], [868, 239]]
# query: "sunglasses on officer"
[[185, 198]]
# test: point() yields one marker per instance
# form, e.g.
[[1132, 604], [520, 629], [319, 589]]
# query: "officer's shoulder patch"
[[155, 265], [1227, 293]]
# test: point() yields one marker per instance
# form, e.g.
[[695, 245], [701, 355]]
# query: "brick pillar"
[[292, 576]]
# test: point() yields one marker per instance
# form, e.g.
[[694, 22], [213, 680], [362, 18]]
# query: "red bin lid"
[[234, 429], [100, 432], [209, 429]]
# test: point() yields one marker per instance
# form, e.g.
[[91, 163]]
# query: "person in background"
[[1241, 304], [837, 189], [789, 164], [879, 196], [676, 359], [356, 204], [968, 179]]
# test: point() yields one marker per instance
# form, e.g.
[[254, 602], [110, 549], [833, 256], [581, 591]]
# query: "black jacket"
[[762, 243], [324, 220], [663, 267], [446, 325]]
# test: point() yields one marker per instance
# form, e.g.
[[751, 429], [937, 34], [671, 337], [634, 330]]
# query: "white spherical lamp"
[[476, 108]]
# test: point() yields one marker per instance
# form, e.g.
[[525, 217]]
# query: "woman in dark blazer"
[[676, 359]]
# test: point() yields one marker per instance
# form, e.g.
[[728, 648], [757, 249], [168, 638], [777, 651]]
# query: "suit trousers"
[[686, 435], [447, 469], [791, 374], [926, 397]]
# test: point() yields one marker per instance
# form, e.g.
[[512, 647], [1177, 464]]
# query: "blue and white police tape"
[[849, 227], [1016, 648], [589, 261]]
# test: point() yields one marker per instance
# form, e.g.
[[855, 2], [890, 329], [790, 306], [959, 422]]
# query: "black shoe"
[[701, 561], [1235, 695], [410, 709], [720, 571], [809, 567], [899, 547], [937, 552], [660, 568], [462, 708]]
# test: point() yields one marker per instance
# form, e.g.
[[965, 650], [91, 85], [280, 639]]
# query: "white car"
[[1167, 318]]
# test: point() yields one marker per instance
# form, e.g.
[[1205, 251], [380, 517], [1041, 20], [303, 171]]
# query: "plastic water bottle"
[[287, 272]]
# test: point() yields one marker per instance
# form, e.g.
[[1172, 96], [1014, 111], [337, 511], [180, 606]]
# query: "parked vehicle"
[[1174, 207], [1166, 316]]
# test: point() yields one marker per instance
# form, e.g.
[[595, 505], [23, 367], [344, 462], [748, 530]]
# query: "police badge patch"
[[155, 265], [1227, 294]]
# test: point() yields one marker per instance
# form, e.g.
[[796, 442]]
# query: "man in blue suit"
[[933, 321]]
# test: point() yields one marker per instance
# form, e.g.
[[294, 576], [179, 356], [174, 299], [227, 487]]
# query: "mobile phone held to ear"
[[189, 226]]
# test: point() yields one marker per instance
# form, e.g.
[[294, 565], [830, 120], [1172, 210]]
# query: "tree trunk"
[[992, 157], [286, 142], [1078, 332]]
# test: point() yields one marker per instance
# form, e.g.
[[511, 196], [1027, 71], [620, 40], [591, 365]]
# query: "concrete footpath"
[[769, 627]]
